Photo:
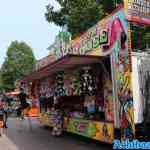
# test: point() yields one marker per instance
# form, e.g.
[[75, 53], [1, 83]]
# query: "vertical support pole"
[[129, 48], [115, 97]]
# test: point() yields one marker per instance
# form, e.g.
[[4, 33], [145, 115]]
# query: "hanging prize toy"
[[60, 90], [87, 82]]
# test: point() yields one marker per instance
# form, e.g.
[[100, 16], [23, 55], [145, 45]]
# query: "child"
[[58, 124]]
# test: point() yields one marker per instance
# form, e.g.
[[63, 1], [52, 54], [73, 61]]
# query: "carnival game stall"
[[79, 84], [90, 81]]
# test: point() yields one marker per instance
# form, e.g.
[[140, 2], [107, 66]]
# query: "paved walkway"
[[23, 138], [7, 144]]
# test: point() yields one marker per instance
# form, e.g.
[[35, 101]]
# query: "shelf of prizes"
[[83, 94]]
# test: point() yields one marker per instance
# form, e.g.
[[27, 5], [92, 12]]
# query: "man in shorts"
[[24, 105]]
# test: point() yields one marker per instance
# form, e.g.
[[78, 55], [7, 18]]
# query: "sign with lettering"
[[93, 39], [100, 131], [90, 41], [138, 11]]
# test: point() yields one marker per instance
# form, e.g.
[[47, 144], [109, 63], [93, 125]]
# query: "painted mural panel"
[[122, 66], [100, 131]]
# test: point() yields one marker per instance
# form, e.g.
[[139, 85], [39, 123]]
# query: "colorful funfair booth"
[[91, 81]]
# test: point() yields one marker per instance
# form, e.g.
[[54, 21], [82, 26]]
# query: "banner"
[[101, 131], [138, 11]]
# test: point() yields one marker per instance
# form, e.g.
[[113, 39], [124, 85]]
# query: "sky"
[[24, 20]]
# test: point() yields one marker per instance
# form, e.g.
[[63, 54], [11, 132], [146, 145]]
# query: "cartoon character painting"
[[106, 134], [119, 44]]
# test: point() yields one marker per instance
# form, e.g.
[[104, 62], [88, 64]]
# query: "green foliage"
[[108, 5], [20, 61], [140, 37], [78, 15], [0, 82]]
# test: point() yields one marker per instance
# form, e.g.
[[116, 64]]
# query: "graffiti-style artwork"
[[122, 67]]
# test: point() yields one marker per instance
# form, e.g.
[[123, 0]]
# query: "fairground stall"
[[90, 79]]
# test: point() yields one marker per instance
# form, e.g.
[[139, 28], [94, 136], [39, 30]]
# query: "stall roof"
[[66, 62]]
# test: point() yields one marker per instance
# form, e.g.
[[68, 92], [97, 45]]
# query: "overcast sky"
[[24, 20]]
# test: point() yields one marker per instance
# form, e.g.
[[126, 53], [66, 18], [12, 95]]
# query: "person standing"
[[5, 108], [58, 123], [24, 105]]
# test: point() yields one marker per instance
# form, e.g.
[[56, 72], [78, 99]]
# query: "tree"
[[78, 15], [19, 62], [108, 5], [140, 37], [0, 82]]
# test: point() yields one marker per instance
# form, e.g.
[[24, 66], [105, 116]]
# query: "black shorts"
[[1, 117]]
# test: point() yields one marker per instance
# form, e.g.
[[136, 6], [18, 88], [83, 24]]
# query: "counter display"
[[46, 119], [97, 130]]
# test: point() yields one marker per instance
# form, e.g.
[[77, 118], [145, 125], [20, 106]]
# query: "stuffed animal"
[[60, 90]]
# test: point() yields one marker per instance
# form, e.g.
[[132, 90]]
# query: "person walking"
[[5, 109]]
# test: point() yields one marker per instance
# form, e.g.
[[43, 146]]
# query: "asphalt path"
[[20, 136]]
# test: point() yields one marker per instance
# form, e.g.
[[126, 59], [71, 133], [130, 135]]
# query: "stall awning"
[[13, 93], [66, 62]]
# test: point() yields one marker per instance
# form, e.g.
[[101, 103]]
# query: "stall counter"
[[97, 130]]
